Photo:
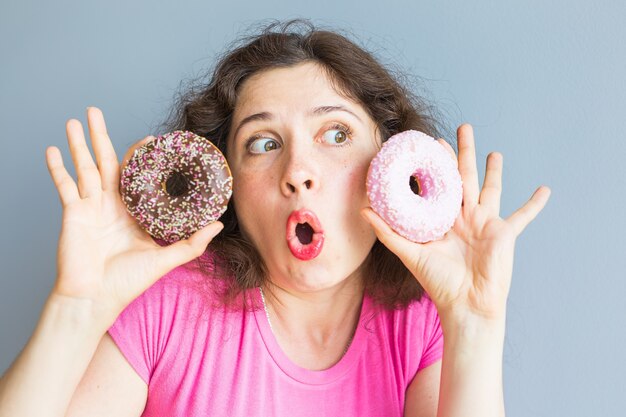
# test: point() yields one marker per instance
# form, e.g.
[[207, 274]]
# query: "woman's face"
[[299, 154]]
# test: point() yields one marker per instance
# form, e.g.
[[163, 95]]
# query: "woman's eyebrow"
[[329, 109], [314, 112]]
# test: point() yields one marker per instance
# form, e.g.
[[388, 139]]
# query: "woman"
[[268, 324]]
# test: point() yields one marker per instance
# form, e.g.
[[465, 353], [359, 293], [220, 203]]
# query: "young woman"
[[249, 321]]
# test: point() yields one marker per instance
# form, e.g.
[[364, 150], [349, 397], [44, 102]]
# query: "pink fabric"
[[209, 361]]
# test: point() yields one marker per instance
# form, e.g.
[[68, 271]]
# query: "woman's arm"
[[468, 275], [104, 261], [468, 379], [44, 376], [471, 372], [45, 380], [422, 395]]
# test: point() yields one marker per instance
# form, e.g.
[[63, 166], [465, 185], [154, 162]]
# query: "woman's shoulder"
[[412, 333], [189, 294], [195, 283], [418, 314], [417, 307]]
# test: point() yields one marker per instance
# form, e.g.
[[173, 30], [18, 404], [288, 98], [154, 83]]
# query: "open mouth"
[[305, 236], [304, 232]]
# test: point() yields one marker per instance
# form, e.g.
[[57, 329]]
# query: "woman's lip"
[[297, 248]]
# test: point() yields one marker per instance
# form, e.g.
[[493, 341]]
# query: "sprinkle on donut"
[[176, 184], [415, 186]]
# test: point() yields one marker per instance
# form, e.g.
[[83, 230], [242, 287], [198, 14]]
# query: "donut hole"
[[415, 185], [304, 231], [177, 184], [422, 183]]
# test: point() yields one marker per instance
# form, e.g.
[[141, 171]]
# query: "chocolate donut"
[[176, 184]]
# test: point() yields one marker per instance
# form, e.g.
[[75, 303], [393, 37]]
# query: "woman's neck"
[[314, 329]]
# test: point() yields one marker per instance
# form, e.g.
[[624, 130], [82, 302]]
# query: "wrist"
[[470, 327], [74, 314], [457, 316]]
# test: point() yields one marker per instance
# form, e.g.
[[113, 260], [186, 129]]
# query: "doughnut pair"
[[180, 182]]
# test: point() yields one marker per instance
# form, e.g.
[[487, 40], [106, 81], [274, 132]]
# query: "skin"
[[268, 186]]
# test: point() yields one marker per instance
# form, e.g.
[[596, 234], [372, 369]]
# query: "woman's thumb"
[[188, 249], [403, 248]]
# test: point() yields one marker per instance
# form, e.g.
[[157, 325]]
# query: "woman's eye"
[[263, 145], [336, 136]]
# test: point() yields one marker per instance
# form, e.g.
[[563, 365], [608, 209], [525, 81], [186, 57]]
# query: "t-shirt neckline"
[[303, 375]]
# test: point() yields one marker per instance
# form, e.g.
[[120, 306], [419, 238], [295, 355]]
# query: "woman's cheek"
[[249, 192], [250, 181], [357, 177]]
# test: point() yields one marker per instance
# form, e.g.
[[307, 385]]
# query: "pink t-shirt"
[[200, 360]]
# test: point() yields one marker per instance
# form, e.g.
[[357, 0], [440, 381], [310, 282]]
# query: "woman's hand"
[[468, 272], [104, 257]]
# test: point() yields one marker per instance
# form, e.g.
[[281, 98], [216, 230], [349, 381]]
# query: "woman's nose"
[[291, 188], [299, 174]]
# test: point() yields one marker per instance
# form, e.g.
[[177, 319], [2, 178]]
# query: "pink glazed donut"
[[415, 186]]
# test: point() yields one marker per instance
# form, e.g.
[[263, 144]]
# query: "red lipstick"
[[305, 236]]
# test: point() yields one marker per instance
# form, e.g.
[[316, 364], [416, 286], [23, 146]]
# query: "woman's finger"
[[186, 250], [525, 214], [408, 252], [467, 165], [492, 187], [105, 153], [63, 181], [89, 184]]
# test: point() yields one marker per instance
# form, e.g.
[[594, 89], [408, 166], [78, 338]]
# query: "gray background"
[[541, 82]]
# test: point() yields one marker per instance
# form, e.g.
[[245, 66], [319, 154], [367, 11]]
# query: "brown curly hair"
[[207, 109]]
